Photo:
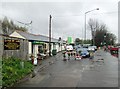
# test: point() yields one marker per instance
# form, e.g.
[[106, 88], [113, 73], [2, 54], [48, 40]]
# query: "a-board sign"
[[11, 44]]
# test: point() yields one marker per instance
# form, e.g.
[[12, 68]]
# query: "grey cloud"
[[67, 17]]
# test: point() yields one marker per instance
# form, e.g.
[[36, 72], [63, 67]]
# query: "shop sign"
[[37, 42], [11, 44]]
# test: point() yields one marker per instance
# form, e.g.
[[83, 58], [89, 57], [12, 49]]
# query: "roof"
[[31, 36]]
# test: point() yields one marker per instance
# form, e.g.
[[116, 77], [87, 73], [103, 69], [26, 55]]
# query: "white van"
[[69, 48]]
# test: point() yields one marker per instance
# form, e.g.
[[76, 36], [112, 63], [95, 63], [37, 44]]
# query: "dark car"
[[85, 53]]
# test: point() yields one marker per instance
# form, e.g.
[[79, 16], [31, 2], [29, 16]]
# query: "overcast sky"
[[67, 17]]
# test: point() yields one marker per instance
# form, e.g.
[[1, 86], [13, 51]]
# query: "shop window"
[[40, 49]]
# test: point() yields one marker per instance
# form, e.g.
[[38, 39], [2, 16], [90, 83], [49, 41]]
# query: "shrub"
[[12, 70]]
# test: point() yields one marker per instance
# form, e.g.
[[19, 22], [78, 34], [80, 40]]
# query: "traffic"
[[81, 52]]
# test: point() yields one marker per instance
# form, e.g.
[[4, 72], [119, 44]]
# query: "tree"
[[88, 41], [8, 26], [5, 25], [100, 34], [78, 41], [93, 25]]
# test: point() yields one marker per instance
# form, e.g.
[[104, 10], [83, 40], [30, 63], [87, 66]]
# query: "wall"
[[30, 48], [35, 50], [22, 53], [1, 42], [1, 51], [119, 26], [119, 42], [51, 47], [57, 47]]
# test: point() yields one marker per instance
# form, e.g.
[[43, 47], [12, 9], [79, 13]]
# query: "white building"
[[38, 43]]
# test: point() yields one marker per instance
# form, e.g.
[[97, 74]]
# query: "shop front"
[[39, 47]]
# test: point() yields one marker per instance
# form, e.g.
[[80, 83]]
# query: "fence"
[[21, 52]]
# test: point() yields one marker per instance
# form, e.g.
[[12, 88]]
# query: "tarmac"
[[54, 72]]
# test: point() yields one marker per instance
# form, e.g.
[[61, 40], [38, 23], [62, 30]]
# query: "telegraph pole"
[[50, 35]]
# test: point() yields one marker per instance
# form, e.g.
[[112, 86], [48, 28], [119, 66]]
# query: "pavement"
[[54, 72], [42, 64], [46, 62]]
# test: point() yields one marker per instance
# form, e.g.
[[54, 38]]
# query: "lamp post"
[[85, 20], [26, 24]]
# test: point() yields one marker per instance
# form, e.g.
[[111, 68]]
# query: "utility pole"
[[50, 35], [85, 29]]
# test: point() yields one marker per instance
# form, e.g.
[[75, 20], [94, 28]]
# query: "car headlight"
[[87, 53]]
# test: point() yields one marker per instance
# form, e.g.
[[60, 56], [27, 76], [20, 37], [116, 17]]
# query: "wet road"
[[75, 73]]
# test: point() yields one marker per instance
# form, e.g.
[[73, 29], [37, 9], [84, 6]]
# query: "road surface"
[[75, 73]]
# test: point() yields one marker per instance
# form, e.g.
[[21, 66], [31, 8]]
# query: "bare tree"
[[93, 25], [100, 34]]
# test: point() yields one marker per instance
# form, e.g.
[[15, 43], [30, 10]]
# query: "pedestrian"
[[91, 57], [69, 55], [64, 56]]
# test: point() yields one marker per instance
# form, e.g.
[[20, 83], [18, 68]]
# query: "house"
[[39, 43]]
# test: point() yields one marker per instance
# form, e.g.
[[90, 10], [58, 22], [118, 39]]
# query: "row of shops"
[[39, 44]]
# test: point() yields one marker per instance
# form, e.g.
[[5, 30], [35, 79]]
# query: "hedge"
[[13, 71]]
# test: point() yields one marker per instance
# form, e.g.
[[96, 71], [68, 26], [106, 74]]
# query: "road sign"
[[69, 40]]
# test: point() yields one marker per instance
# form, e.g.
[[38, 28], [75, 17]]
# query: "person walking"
[[91, 57], [64, 56]]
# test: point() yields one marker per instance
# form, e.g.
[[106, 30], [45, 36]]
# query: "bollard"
[[22, 64], [35, 61]]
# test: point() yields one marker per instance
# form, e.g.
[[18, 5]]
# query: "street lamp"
[[26, 24], [85, 20]]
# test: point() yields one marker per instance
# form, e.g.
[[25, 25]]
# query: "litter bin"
[[54, 52]]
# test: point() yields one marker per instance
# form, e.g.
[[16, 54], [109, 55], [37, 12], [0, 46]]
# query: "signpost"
[[69, 40], [11, 44]]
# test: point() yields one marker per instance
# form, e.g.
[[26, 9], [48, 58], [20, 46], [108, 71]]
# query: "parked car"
[[114, 51], [69, 48], [77, 46], [95, 47], [91, 48], [84, 52]]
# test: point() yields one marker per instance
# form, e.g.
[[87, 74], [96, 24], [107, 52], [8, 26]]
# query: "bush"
[[12, 70]]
